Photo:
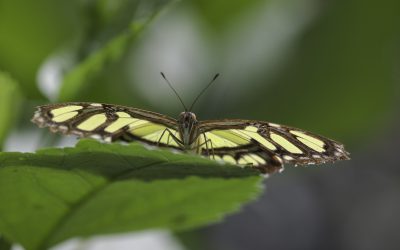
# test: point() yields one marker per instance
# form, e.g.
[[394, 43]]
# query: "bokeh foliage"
[[337, 64], [337, 73]]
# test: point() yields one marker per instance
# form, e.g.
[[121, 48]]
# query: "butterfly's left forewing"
[[109, 123], [266, 146]]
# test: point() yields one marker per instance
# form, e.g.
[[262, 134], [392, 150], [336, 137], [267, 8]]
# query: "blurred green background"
[[331, 67]]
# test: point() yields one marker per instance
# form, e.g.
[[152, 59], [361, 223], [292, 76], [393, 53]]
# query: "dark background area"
[[331, 67]]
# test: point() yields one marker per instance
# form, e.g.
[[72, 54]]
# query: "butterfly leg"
[[176, 139], [170, 134], [206, 142]]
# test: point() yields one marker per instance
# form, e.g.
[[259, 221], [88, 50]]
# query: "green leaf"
[[95, 188], [93, 64], [9, 104]]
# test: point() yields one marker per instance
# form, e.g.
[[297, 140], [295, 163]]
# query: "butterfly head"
[[187, 119]]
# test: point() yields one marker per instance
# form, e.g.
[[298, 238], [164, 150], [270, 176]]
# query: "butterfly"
[[262, 145]]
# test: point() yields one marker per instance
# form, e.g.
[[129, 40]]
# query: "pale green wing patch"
[[124, 119], [237, 137], [66, 113], [285, 143], [244, 147], [312, 142], [92, 122], [153, 133], [63, 110]]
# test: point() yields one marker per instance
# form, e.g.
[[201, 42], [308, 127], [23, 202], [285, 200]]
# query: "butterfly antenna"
[[176, 93], [211, 82]]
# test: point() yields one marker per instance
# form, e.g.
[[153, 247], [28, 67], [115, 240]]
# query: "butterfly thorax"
[[188, 129]]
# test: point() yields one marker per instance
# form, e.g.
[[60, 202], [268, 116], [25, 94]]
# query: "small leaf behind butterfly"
[[10, 100]]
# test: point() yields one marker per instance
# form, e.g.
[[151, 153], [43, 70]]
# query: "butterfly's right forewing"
[[267, 146]]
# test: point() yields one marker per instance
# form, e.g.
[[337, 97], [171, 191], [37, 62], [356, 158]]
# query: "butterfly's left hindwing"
[[108, 122], [266, 146]]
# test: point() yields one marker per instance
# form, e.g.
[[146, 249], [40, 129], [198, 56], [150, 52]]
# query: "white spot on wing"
[[63, 128], [337, 154], [274, 125], [95, 136], [288, 157]]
